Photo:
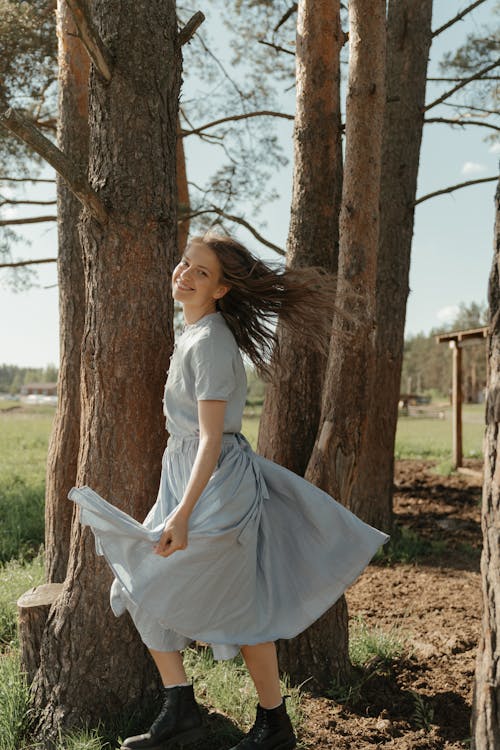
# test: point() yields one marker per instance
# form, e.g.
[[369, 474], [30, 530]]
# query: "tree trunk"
[[351, 362], [183, 207], [72, 138], [93, 665], [408, 43], [486, 701], [292, 407]]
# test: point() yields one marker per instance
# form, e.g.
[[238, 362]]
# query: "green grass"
[[14, 701], [431, 439], [366, 644], [405, 546], [227, 687], [371, 651], [15, 579]]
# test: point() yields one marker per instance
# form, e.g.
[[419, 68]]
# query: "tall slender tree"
[[292, 407], [408, 43], [72, 138], [350, 369], [486, 700]]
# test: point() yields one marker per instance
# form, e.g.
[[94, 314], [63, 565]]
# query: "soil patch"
[[421, 701]]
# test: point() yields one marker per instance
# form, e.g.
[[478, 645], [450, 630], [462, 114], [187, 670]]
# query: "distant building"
[[39, 389]]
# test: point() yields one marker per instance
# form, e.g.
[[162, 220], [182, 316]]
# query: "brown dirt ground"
[[435, 606]]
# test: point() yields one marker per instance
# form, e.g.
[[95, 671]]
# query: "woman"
[[237, 551]]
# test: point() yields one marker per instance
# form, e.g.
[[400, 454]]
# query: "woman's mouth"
[[182, 286]]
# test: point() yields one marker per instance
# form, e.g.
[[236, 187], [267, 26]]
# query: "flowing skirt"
[[268, 552]]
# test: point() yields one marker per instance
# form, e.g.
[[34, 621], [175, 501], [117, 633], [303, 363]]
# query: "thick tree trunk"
[[72, 138], [408, 42], [93, 664], [292, 407], [486, 702], [351, 362]]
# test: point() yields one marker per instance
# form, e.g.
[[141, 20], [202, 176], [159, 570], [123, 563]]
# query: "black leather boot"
[[179, 720], [272, 730]]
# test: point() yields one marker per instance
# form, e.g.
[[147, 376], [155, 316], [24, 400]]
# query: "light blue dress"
[[268, 552]]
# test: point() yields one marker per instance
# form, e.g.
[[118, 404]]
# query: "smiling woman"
[[237, 551], [196, 281]]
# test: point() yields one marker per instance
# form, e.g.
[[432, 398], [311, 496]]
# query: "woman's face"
[[196, 278]]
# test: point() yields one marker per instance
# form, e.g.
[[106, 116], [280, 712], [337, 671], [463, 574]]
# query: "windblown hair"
[[302, 299]]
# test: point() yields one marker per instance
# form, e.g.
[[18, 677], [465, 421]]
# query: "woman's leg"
[[262, 663], [170, 666]]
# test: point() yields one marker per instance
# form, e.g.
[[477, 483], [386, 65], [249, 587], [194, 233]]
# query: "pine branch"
[[189, 29], [455, 187], [277, 47], [456, 18], [263, 113], [90, 37], [74, 176], [291, 10], [8, 201], [469, 106], [27, 220], [474, 77], [23, 179], [16, 264], [453, 80], [237, 220], [462, 122]]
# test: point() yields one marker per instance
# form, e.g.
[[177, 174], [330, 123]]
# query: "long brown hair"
[[303, 299]]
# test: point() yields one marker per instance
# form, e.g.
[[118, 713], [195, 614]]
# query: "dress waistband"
[[180, 441]]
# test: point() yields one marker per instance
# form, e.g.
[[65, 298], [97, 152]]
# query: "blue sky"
[[453, 239]]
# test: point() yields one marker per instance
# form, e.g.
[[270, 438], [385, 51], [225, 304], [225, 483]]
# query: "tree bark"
[[72, 138], [486, 700], [92, 664], [408, 43], [292, 407], [183, 205], [350, 368], [33, 609]]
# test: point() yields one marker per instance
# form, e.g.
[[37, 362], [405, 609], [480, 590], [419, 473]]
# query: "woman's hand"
[[174, 537]]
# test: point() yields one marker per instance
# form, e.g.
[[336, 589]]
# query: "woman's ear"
[[221, 291]]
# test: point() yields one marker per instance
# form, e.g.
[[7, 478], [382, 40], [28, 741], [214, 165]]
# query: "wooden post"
[[457, 403], [33, 607]]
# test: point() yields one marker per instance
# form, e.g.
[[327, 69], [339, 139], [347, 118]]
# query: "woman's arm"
[[211, 421]]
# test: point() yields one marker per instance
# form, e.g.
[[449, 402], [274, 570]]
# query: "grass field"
[[24, 434]]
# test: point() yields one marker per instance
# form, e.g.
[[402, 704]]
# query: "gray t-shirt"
[[206, 364]]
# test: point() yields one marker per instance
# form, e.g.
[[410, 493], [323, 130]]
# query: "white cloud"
[[495, 149], [472, 167], [448, 313]]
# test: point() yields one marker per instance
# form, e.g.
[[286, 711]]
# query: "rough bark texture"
[[408, 42], [33, 609], [292, 407], [486, 701], [73, 139], [93, 664], [351, 363], [183, 206]]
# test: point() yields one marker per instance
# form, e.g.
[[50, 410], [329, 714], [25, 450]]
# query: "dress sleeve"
[[213, 369]]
